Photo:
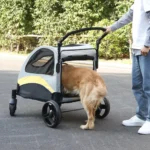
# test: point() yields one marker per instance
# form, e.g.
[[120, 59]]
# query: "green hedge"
[[49, 20]]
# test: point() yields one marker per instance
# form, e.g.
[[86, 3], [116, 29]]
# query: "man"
[[139, 15]]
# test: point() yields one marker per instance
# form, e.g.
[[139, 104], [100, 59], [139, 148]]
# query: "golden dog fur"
[[90, 87]]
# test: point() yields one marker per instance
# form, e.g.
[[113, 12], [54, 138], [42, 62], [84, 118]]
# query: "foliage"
[[49, 20], [116, 45], [54, 19], [16, 19]]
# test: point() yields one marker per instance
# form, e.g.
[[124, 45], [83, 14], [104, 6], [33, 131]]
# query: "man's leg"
[[145, 66], [140, 117], [138, 73]]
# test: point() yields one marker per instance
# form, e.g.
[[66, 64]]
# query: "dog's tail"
[[93, 91], [101, 87]]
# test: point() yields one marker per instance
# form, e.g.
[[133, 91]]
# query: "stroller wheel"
[[12, 106], [103, 109], [51, 114], [12, 109]]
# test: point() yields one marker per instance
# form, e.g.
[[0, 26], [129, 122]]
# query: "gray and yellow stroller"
[[40, 77]]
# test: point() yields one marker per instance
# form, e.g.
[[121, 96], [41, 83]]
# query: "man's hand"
[[108, 30], [144, 51]]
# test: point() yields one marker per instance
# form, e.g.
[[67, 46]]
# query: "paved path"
[[27, 130]]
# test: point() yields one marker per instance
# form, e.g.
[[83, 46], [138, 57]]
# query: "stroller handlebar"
[[78, 31], [82, 30]]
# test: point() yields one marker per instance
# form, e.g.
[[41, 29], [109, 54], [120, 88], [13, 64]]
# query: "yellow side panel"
[[35, 79]]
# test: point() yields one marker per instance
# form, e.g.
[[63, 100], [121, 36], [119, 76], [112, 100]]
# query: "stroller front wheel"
[[51, 114], [12, 109]]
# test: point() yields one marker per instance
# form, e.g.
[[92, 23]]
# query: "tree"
[[15, 18], [54, 19]]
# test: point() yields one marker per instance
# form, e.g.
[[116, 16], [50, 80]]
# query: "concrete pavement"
[[10, 61], [27, 130]]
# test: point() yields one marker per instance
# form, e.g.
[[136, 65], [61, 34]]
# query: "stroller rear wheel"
[[103, 109]]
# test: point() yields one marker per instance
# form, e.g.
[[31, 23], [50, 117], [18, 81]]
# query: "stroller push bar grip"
[[78, 31]]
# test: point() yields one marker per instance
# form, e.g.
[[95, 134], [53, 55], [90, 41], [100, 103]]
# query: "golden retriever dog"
[[88, 85]]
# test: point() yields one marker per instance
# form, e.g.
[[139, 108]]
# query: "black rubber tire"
[[12, 109], [105, 107], [51, 114]]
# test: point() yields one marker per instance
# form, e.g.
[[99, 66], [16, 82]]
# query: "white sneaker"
[[133, 122], [145, 129]]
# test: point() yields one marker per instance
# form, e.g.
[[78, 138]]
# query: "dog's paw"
[[84, 127]]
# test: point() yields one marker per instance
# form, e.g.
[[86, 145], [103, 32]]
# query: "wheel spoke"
[[50, 116], [51, 121], [46, 116], [98, 111], [102, 106], [50, 107]]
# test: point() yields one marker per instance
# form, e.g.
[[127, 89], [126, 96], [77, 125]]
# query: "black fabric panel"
[[39, 54], [35, 91], [48, 68], [81, 57]]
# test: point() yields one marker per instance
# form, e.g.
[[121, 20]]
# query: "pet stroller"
[[40, 77]]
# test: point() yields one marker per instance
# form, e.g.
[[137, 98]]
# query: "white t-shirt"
[[140, 22]]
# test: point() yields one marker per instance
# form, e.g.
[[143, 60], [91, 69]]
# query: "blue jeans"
[[141, 85]]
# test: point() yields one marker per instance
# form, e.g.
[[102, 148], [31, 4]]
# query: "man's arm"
[[147, 41], [124, 20]]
